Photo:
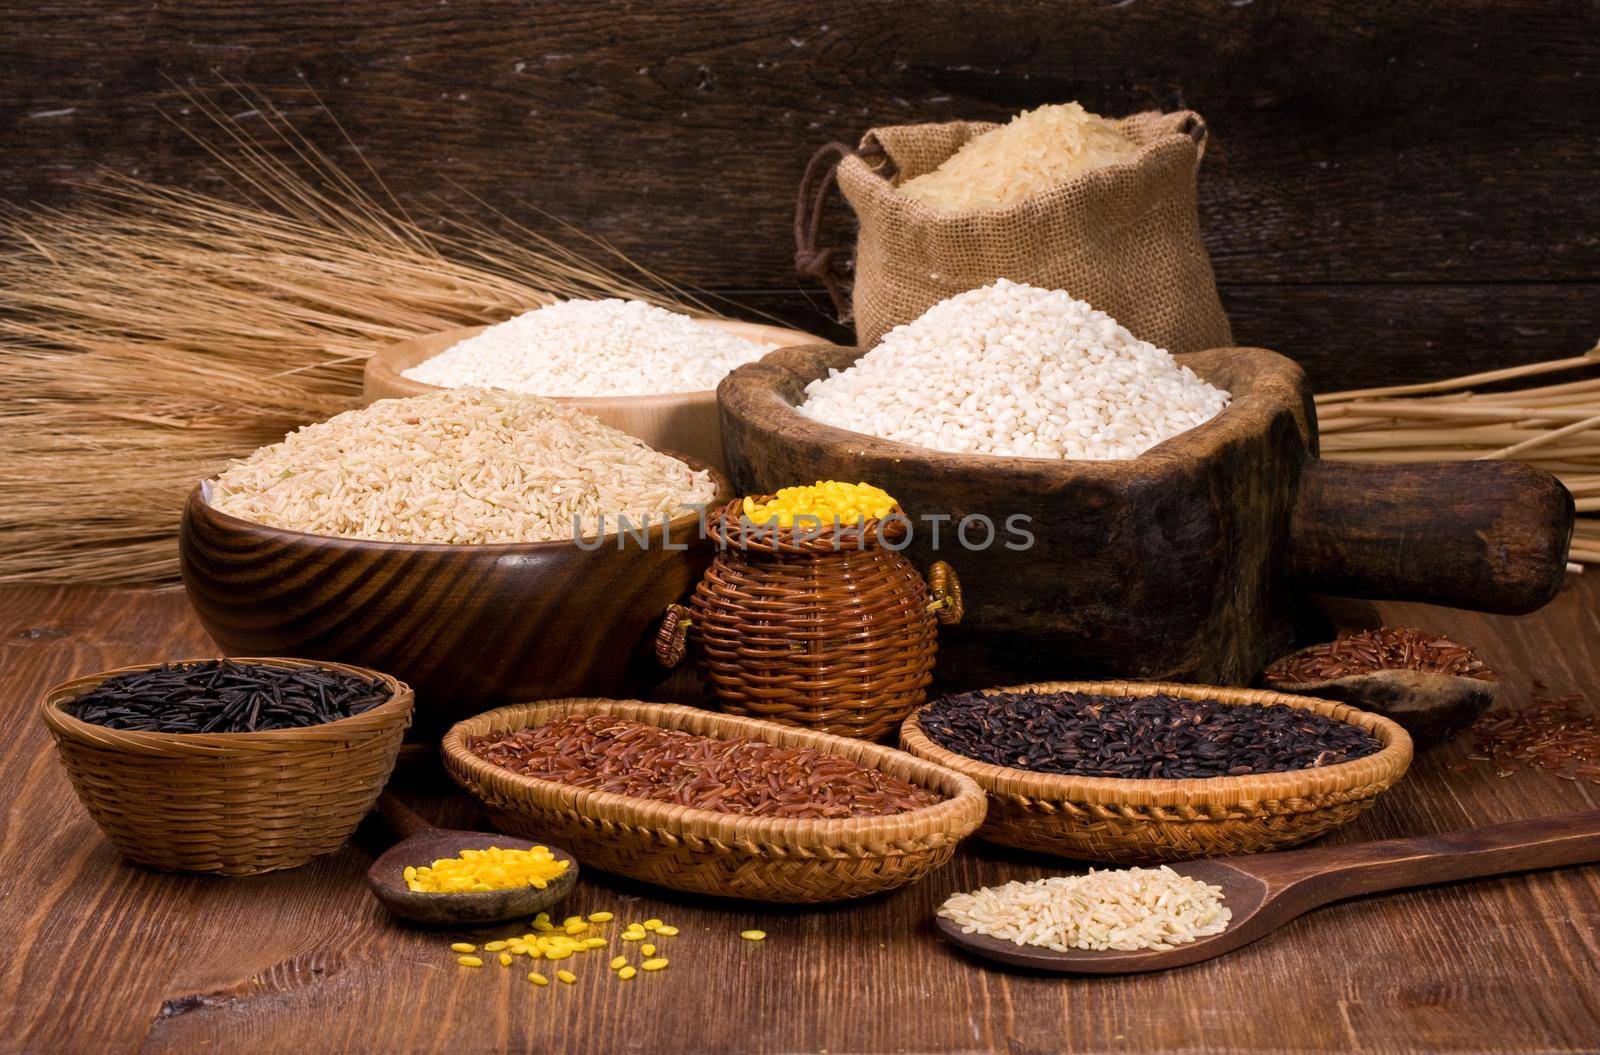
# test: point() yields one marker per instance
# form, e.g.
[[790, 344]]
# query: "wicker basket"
[[836, 632], [229, 803], [1132, 821], [755, 858]]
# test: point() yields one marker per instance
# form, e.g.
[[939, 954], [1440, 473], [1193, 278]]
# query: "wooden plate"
[[679, 421]]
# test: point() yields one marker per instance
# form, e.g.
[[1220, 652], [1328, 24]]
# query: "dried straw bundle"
[[152, 334], [1553, 426]]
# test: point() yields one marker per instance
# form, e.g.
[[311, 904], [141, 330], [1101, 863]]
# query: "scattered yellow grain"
[[826, 501], [491, 869], [594, 943], [753, 935], [634, 935], [619, 962], [462, 946], [494, 946], [651, 924], [537, 979], [601, 917], [626, 973], [654, 965], [567, 976], [469, 961], [576, 928], [557, 954], [647, 949], [505, 959], [666, 932]]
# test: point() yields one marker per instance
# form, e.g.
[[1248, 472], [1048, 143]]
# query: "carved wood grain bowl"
[[468, 627], [676, 421], [1182, 564]]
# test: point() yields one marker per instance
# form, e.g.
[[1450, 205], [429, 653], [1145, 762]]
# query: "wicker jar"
[[835, 632], [229, 803]]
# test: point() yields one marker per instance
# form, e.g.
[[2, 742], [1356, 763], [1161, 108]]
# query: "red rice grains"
[[1554, 735], [745, 776], [1386, 648]]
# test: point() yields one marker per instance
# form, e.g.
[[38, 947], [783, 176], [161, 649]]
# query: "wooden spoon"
[[1266, 891], [422, 844]]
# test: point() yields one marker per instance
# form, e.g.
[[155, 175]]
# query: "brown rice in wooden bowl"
[[455, 540], [1129, 820]]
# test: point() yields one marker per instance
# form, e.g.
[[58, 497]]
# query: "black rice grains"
[[221, 696], [1139, 737]]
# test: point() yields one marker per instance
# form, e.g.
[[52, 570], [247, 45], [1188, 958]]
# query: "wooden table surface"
[[101, 955]]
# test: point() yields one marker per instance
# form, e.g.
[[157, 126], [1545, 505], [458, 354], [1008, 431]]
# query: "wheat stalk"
[[151, 333], [1553, 426]]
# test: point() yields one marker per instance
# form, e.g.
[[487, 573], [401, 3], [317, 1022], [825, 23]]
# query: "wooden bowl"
[[229, 803], [720, 854], [1134, 821], [1434, 708], [1182, 564], [469, 627], [680, 421]]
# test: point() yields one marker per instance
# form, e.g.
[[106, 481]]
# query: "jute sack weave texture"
[[1125, 238]]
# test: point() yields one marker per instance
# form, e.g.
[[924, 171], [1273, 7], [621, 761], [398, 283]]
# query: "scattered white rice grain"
[[1123, 909], [1010, 369], [465, 466], [577, 348]]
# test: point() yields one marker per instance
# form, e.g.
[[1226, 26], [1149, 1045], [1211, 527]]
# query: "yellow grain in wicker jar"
[[810, 614]]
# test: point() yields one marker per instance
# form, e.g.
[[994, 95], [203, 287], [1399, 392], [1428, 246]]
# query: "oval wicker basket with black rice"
[[722, 854], [230, 803], [1131, 821], [836, 632]]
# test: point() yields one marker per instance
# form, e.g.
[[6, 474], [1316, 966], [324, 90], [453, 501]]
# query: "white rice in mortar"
[[1011, 369], [467, 466], [1124, 909], [576, 348]]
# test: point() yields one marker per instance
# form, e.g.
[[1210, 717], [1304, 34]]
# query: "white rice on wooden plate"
[[1124, 909], [465, 466], [592, 348]]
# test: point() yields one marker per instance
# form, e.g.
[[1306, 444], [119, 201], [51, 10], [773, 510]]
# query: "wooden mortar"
[[1182, 564]]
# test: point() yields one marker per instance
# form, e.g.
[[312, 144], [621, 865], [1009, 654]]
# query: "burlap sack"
[[1125, 238]]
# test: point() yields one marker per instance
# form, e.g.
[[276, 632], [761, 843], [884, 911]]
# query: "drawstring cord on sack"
[[831, 266]]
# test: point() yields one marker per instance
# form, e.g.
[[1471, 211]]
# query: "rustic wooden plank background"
[[1393, 191], [101, 955]]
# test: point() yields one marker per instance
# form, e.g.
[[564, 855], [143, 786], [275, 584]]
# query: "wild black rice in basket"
[[222, 696], [1138, 736], [744, 775]]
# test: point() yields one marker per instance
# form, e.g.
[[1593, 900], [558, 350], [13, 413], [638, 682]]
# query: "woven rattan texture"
[[756, 858], [838, 638], [1125, 238], [1133, 821], [229, 803]]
